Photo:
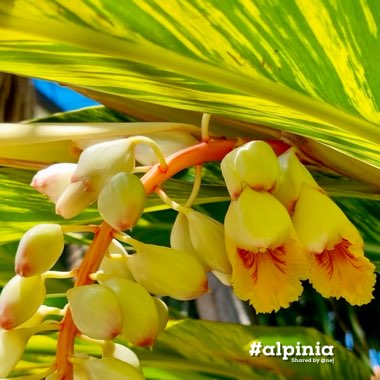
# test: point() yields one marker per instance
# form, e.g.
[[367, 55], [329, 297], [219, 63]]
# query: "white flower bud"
[[111, 368], [74, 200], [163, 313], [100, 161], [140, 317], [20, 299], [166, 271], [96, 311], [39, 249], [115, 261], [207, 237], [123, 353], [12, 346], [169, 142], [121, 201], [53, 180]]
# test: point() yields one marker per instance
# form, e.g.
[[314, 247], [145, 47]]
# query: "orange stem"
[[206, 151]]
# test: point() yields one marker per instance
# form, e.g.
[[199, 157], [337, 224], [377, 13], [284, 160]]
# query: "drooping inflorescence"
[[274, 236]]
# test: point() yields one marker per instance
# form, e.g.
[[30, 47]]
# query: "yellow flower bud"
[[163, 313], [207, 238], [74, 199], [254, 164], [203, 237], [12, 346], [39, 249], [231, 176], [111, 368], [20, 299], [115, 261], [167, 272], [169, 142], [180, 236], [293, 176], [257, 165], [257, 220], [121, 201], [140, 317], [100, 161], [53, 180], [96, 311]]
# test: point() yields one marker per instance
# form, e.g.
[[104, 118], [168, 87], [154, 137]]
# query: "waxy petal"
[[20, 299], [321, 224], [340, 273], [270, 278], [53, 180], [12, 346], [257, 165], [207, 237], [100, 161], [166, 271], [39, 249], [293, 176], [96, 311], [257, 220], [121, 201], [111, 368], [140, 316], [74, 200]]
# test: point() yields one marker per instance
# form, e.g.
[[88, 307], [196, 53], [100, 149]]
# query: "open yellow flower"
[[338, 265], [267, 259]]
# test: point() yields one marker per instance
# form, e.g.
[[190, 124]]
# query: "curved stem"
[[196, 186], [172, 204]]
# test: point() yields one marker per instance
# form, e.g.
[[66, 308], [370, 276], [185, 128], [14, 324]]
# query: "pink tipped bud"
[[140, 317], [12, 346], [53, 180], [111, 368], [39, 249], [168, 272], [74, 200], [20, 299], [96, 311], [100, 161], [121, 201], [169, 142]]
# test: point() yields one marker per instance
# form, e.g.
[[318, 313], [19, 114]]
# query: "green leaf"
[[305, 68], [222, 348]]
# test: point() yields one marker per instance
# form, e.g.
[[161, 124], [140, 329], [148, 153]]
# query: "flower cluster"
[[281, 228], [119, 300]]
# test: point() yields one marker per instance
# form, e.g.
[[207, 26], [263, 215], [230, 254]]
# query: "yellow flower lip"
[[336, 257], [267, 259], [320, 223]]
